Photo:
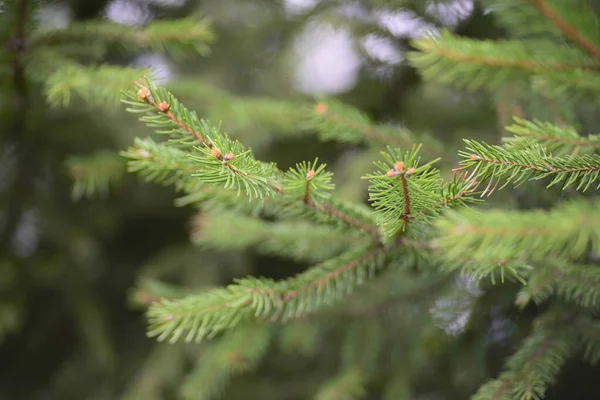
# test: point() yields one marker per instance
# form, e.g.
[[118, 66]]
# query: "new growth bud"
[[144, 94], [163, 106], [310, 174], [215, 152]]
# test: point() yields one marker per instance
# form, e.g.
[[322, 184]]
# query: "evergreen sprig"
[[576, 283], [97, 85], [209, 313], [177, 37], [557, 140], [516, 166], [569, 230], [474, 64]]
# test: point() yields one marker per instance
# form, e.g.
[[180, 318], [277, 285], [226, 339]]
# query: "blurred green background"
[[68, 326]]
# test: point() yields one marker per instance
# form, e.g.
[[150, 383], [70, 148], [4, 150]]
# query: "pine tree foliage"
[[377, 268], [569, 230], [558, 140]]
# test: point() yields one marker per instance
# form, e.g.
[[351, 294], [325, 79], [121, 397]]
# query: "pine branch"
[[96, 85], [492, 64], [519, 165], [177, 37], [566, 231], [209, 313], [227, 162], [522, 19], [555, 139], [557, 10], [576, 283], [403, 190]]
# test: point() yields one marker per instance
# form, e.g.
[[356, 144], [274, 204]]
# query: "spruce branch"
[[492, 64], [519, 165], [557, 140], [227, 162], [580, 28], [174, 36], [214, 311], [222, 160], [566, 231], [96, 85], [577, 283], [402, 189]]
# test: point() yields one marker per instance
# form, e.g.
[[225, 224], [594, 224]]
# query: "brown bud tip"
[[228, 156], [215, 152], [399, 166], [391, 173], [310, 174], [163, 107], [144, 93], [411, 171], [504, 261], [474, 157], [321, 108]]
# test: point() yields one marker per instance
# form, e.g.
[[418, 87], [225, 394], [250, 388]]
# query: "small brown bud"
[[474, 157], [163, 107], [399, 166], [321, 108], [310, 174], [411, 171], [391, 173], [144, 93], [215, 152], [228, 156]]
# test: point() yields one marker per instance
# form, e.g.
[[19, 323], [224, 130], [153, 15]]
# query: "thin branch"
[[566, 28], [504, 63], [341, 216], [548, 169], [285, 296], [406, 216]]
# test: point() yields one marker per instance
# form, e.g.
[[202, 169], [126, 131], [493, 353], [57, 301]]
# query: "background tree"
[[360, 348]]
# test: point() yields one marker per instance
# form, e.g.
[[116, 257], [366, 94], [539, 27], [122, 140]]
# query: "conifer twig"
[[565, 27]]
